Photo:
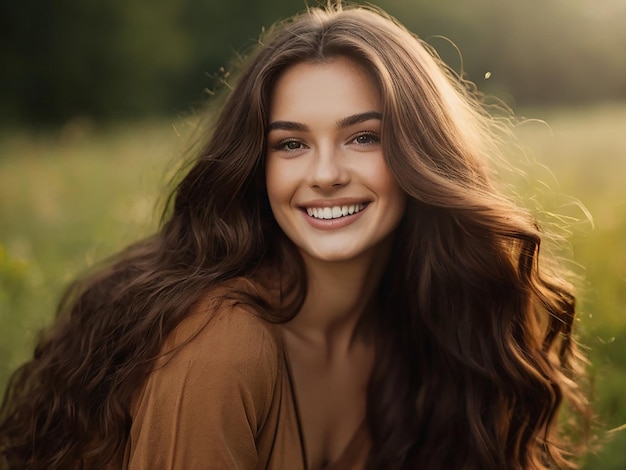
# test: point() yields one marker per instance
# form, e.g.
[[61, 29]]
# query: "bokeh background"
[[98, 102]]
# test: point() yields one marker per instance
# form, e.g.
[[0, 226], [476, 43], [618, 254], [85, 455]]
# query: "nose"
[[327, 170]]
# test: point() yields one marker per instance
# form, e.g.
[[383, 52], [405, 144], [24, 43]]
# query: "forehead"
[[333, 88]]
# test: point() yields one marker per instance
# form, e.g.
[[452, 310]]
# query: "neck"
[[338, 293]]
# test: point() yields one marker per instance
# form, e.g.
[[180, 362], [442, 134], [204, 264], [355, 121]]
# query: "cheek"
[[384, 182], [278, 184], [390, 191], [399, 204], [270, 180]]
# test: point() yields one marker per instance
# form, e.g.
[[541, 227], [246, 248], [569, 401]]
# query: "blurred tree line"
[[118, 58]]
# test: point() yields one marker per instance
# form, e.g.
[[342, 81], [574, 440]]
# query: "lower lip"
[[333, 224]]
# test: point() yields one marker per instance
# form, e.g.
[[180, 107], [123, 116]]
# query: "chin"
[[334, 255]]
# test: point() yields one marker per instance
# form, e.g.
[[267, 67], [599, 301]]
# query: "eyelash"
[[282, 145], [375, 139]]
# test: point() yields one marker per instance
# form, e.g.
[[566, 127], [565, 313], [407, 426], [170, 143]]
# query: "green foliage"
[[67, 200], [70, 198], [114, 58], [101, 58], [536, 52], [14, 286], [584, 149]]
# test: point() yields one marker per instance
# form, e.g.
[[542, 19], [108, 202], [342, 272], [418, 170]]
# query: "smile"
[[334, 212]]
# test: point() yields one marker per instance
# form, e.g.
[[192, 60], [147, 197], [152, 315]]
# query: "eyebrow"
[[341, 124]]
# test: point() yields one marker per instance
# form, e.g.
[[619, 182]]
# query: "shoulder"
[[222, 350], [222, 332], [210, 392]]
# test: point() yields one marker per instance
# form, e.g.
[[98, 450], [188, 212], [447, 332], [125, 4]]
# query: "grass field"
[[70, 198]]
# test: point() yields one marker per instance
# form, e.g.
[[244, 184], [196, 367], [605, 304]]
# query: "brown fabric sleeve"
[[203, 407]]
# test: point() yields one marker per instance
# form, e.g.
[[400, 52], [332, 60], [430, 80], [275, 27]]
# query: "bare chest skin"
[[330, 389]]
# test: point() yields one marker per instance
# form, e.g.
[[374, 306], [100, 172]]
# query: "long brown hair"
[[476, 350]]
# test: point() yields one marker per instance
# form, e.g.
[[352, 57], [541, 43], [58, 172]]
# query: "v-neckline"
[[358, 433]]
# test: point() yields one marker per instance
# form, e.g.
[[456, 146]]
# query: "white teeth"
[[334, 212]]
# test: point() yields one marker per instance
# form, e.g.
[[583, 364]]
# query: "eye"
[[366, 138], [289, 145]]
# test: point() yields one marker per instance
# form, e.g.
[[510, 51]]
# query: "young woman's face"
[[328, 184]]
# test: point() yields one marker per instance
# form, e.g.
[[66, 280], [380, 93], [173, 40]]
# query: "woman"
[[337, 284]]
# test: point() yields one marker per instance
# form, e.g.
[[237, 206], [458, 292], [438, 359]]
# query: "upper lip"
[[345, 201]]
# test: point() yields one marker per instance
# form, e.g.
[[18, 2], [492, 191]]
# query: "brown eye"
[[293, 145], [367, 138], [289, 145]]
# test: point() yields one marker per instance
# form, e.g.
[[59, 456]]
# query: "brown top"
[[224, 400]]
